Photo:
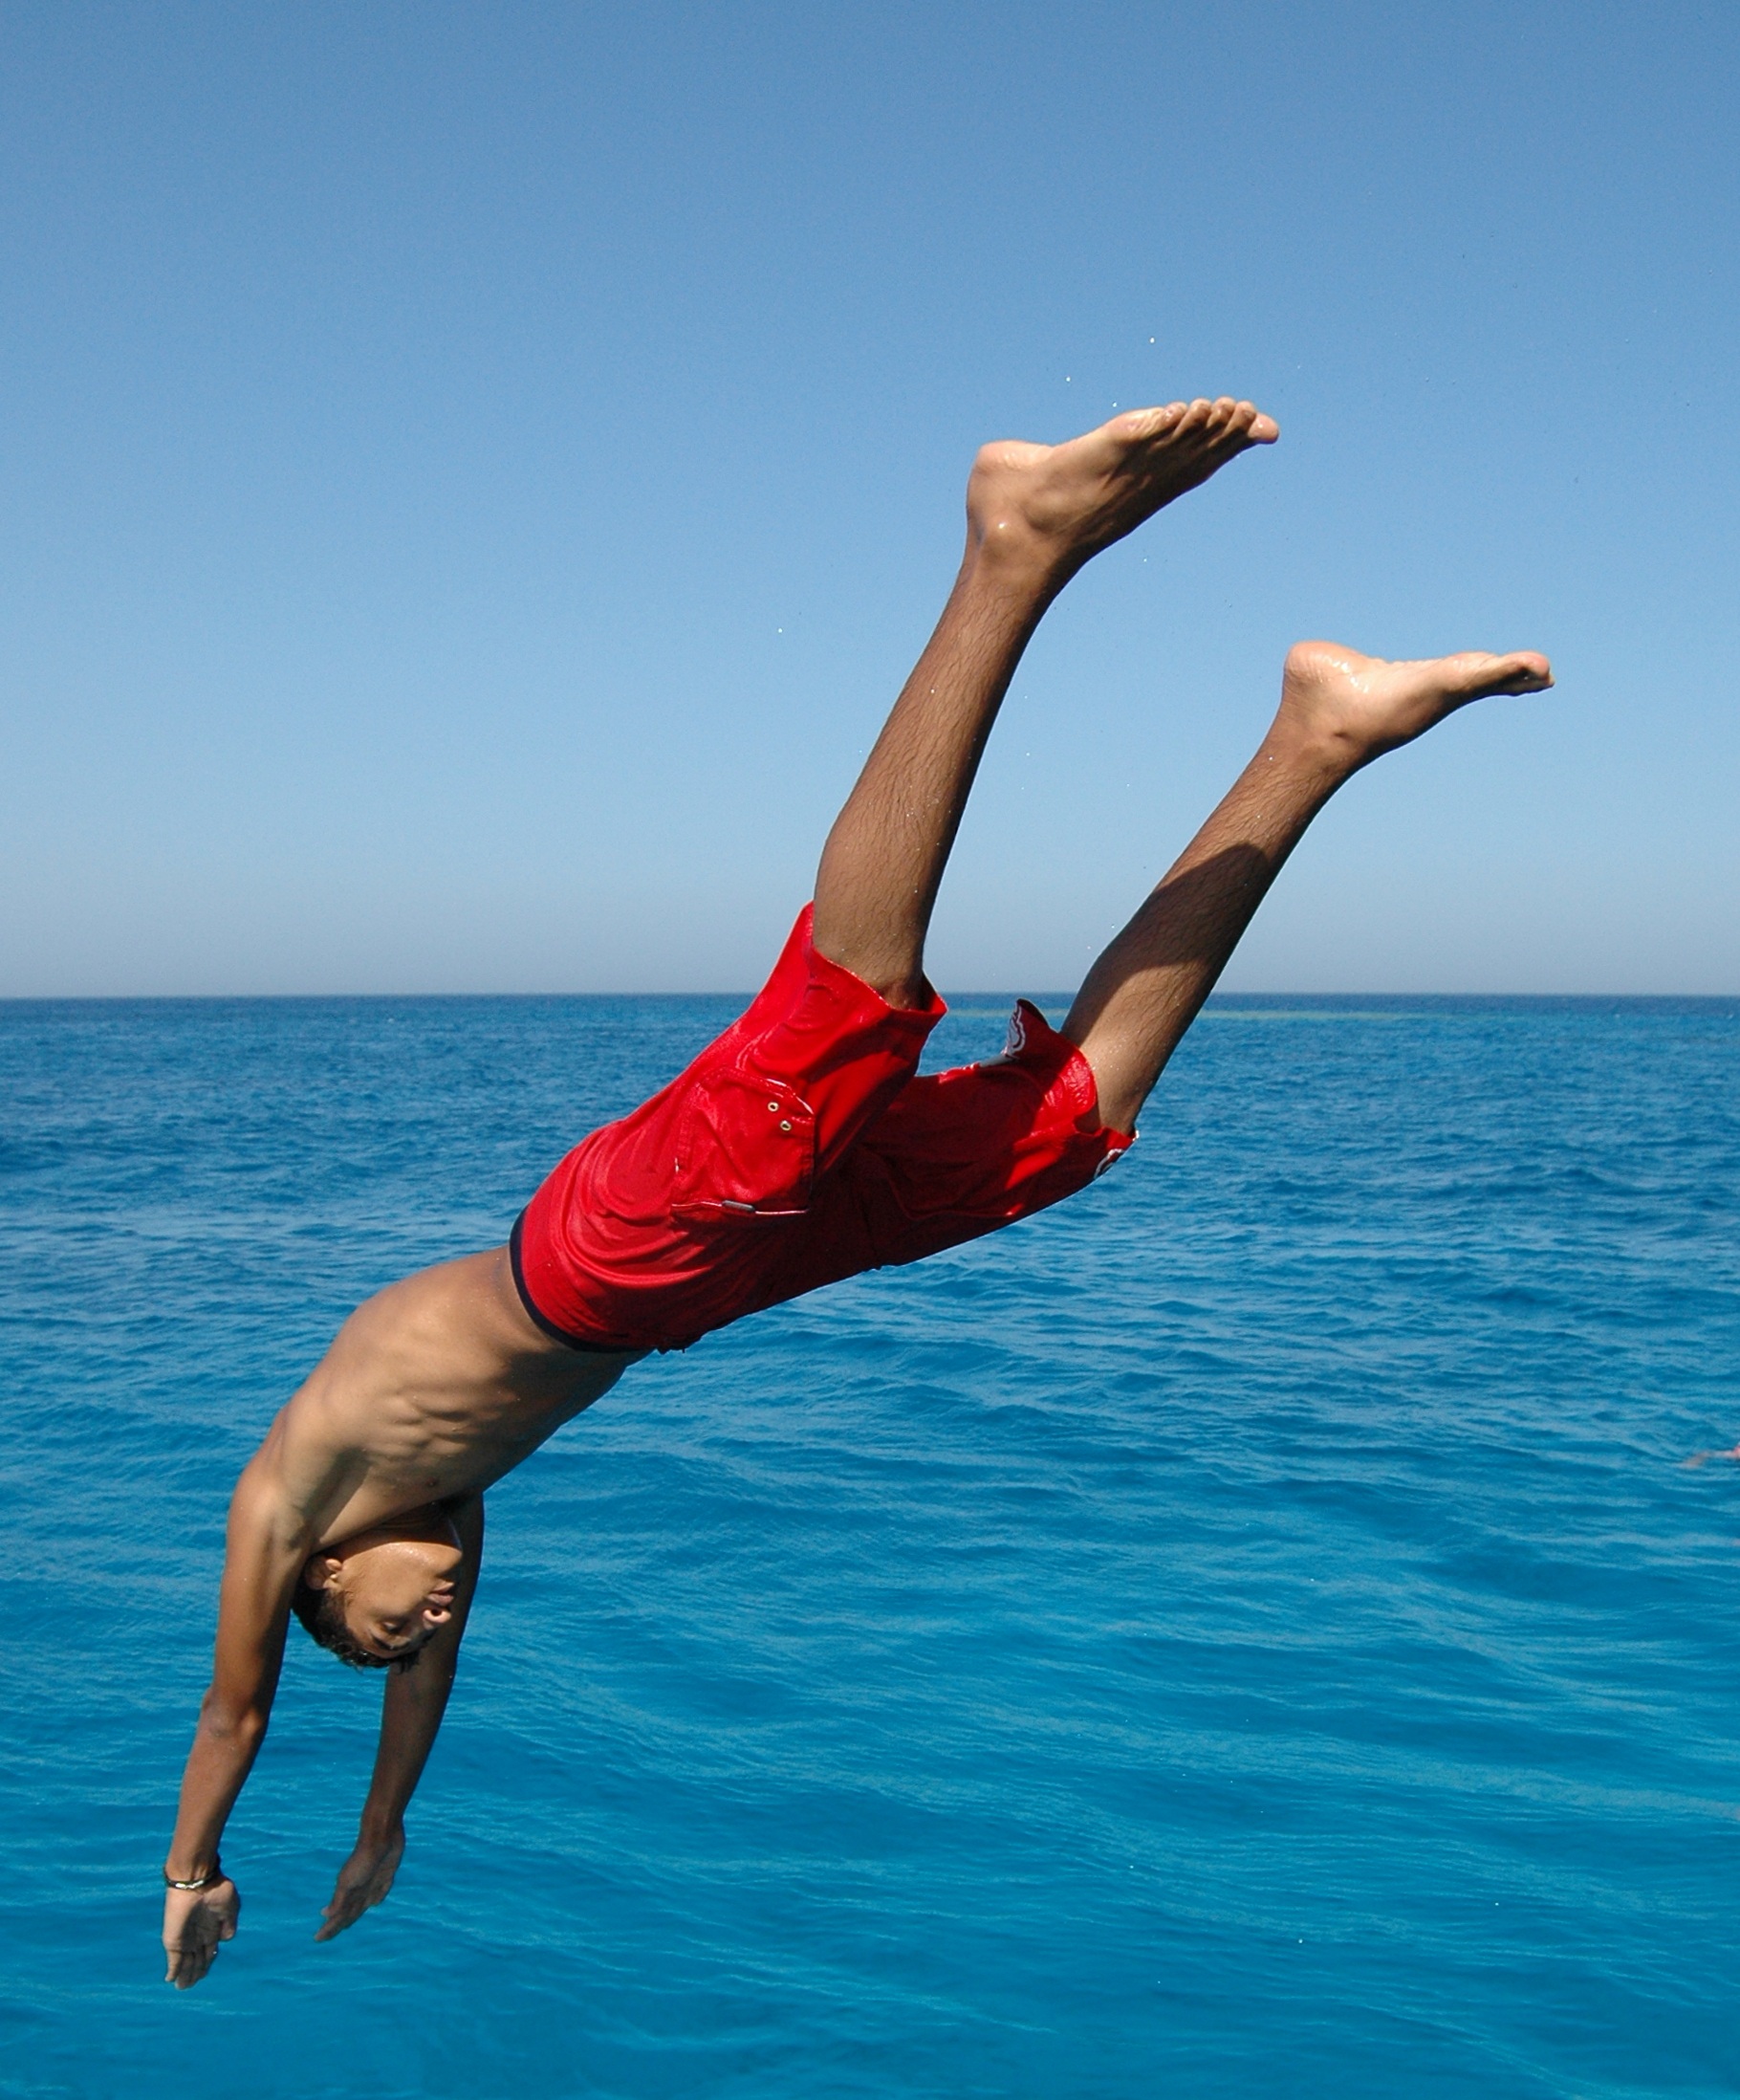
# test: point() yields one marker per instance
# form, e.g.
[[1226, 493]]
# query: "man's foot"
[[1050, 508], [1355, 707]]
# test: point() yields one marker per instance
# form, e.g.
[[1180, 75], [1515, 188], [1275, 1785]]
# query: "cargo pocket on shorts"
[[746, 1150]]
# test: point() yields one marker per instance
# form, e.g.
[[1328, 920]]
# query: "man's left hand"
[[363, 1880]]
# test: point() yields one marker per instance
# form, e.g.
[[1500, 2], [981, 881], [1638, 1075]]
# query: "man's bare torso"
[[434, 1387]]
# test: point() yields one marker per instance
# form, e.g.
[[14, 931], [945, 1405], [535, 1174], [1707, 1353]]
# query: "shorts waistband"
[[541, 1320]]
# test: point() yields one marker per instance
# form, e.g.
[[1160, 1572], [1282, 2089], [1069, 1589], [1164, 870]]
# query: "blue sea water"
[[1254, 1630]]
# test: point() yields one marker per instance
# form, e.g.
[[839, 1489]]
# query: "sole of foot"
[[1053, 507]]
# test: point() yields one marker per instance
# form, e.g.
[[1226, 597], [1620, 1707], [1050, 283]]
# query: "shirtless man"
[[797, 1149]]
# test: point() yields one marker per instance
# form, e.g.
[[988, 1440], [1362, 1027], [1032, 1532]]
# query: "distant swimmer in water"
[[800, 1149]]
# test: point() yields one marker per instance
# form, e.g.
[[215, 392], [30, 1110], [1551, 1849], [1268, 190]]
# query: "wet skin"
[[396, 1582]]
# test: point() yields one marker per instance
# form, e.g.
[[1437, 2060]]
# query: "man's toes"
[[1222, 423], [1481, 675], [1142, 426], [1524, 670], [1237, 424]]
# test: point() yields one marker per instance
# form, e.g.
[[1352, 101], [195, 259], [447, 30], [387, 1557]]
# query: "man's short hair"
[[322, 1612]]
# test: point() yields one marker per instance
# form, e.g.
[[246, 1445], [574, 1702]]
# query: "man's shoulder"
[[298, 1466]]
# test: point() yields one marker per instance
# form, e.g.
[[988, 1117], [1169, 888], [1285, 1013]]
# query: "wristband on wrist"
[[204, 1882]]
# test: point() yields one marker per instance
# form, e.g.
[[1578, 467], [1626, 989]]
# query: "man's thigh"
[[958, 1154]]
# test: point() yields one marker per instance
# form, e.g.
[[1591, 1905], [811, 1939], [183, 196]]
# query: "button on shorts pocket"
[[745, 1149]]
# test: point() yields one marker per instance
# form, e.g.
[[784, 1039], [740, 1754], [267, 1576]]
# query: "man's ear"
[[321, 1571]]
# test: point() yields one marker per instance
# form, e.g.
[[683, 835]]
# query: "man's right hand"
[[195, 1921]]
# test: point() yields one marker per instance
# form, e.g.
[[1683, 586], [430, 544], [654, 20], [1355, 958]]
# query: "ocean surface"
[[1258, 1629]]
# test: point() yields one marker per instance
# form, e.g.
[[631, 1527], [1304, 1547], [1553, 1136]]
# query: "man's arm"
[[410, 1715], [265, 1547]]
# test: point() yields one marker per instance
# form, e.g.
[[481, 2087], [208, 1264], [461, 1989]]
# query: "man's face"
[[396, 1582]]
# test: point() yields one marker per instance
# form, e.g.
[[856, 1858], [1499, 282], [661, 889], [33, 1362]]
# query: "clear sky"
[[473, 476]]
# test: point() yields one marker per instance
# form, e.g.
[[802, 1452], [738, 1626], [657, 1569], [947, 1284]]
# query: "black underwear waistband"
[[538, 1318]]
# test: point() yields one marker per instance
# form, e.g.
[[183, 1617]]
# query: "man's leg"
[[1035, 513], [1339, 712]]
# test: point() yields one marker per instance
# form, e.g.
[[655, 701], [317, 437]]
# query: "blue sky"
[[474, 476]]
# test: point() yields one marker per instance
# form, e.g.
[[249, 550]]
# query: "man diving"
[[797, 1149]]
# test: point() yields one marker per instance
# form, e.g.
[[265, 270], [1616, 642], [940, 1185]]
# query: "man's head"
[[376, 1599]]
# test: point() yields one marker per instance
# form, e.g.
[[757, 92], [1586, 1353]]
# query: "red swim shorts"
[[798, 1149]]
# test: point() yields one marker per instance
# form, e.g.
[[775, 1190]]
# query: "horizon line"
[[214, 999]]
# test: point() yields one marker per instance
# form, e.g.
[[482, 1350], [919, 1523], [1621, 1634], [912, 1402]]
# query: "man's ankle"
[[1020, 572], [1322, 759]]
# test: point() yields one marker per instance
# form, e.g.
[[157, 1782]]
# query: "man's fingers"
[[350, 1899]]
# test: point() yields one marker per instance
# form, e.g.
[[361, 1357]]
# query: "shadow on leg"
[[1138, 1000]]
